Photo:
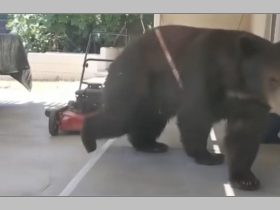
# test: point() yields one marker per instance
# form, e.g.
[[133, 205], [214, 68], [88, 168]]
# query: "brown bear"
[[201, 76]]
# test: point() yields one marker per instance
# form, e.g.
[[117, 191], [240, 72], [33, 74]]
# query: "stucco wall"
[[255, 23], [55, 66], [68, 66]]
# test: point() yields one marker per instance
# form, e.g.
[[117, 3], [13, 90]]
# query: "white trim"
[[268, 26], [156, 20], [277, 28]]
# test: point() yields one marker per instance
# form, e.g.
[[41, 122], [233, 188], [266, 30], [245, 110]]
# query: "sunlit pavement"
[[33, 163]]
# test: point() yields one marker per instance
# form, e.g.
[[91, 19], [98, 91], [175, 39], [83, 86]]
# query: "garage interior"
[[33, 163]]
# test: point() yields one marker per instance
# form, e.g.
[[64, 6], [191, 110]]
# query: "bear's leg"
[[194, 122], [242, 143], [146, 127], [121, 97], [101, 125]]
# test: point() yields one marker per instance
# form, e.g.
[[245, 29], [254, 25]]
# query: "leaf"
[[71, 31]]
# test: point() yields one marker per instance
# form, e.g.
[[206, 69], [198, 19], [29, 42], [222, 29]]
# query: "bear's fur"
[[226, 74]]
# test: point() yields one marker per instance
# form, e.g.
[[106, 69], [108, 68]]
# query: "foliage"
[[69, 32], [32, 30]]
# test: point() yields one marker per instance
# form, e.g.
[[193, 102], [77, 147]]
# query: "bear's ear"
[[249, 46]]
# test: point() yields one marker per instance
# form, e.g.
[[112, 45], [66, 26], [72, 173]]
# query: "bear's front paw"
[[246, 181], [88, 142]]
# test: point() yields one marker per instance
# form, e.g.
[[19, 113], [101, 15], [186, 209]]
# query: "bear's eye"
[[274, 82]]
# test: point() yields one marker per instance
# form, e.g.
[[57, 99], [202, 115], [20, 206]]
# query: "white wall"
[[68, 66], [225, 21], [256, 23]]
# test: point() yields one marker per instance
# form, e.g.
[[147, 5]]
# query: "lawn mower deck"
[[70, 118]]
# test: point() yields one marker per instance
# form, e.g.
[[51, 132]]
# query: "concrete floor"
[[33, 163], [124, 172]]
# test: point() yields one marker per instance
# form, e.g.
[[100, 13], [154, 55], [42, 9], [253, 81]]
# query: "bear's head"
[[261, 69]]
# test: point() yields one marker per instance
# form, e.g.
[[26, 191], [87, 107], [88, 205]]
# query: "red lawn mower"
[[70, 117]]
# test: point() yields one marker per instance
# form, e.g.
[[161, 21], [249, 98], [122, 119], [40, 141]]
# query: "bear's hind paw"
[[208, 158], [246, 182]]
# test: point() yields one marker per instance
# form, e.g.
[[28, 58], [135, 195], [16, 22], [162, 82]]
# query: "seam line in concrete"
[[213, 135], [95, 156], [227, 187], [228, 190]]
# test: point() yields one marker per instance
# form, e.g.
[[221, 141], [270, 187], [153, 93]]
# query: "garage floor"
[[121, 171], [33, 163]]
